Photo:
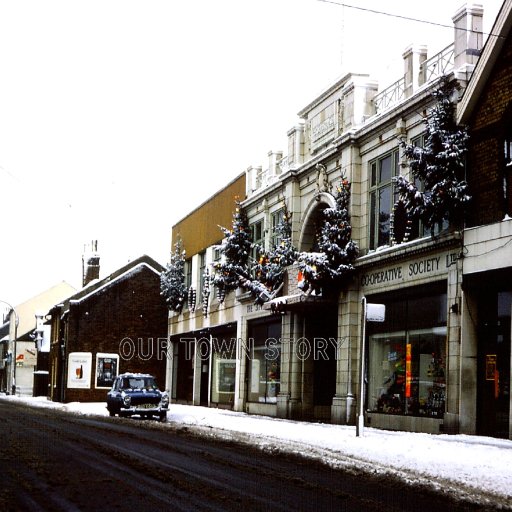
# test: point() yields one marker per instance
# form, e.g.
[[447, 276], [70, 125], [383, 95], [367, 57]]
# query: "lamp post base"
[[360, 425]]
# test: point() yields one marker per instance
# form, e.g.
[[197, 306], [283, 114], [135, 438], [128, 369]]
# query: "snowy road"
[[52, 460]]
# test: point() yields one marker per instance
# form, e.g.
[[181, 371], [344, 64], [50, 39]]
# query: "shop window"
[[408, 373], [382, 198], [407, 358], [264, 362], [223, 369]]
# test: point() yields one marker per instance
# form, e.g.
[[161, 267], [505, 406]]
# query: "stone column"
[[453, 356], [469, 364], [283, 397], [297, 381], [343, 405], [242, 346]]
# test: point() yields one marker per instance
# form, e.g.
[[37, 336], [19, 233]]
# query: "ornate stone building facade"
[[298, 355]]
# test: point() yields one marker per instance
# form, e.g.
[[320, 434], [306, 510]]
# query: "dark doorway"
[[493, 395], [322, 334], [184, 352], [205, 382]]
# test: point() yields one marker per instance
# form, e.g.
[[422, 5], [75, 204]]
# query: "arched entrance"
[[320, 327], [311, 220]]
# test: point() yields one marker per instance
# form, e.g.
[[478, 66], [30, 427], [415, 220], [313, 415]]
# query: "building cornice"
[[407, 250]]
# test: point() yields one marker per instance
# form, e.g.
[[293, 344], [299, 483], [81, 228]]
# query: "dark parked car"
[[137, 393]]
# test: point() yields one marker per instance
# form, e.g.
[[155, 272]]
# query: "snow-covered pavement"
[[467, 466]]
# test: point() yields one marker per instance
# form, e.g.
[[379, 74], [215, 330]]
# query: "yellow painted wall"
[[200, 228]]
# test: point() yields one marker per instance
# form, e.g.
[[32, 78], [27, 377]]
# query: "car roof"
[[137, 375]]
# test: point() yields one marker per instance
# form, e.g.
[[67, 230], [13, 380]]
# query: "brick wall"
[[485, 159], [131, 307]]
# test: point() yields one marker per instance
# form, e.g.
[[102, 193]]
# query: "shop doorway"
[[321, 332], [205, 382], [184, 371], [494, 338]]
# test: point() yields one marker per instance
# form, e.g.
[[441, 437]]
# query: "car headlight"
[[127, 400]]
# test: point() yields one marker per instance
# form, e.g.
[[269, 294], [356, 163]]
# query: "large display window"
[[223, 348], [407, 357], [264, 365]]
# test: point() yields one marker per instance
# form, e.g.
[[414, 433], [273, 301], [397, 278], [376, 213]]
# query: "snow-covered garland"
[[172, 280], [235, 250], [192, 299], [331, 264], [439, 166], [400, 224], [269, 270], [206, 291]]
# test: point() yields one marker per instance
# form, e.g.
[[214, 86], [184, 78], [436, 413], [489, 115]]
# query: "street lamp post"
[[13, 359]]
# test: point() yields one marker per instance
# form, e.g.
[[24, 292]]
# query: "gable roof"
[[490, 53], [41, 304], [116, 276]]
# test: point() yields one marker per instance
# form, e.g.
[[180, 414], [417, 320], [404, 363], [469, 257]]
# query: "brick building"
[[485, 349], [112, 325]]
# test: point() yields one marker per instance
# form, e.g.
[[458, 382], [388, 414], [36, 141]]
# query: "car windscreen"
[[139, 383]]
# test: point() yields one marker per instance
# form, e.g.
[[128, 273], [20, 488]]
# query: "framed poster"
[[106, 369], [79, 370]]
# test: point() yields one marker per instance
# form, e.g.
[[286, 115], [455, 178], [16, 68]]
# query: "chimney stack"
[[468, 24], [90, 264]]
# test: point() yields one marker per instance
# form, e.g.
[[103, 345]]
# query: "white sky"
[[118, 117], [475, 468]]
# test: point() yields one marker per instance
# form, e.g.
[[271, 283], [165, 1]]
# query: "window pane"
[[425, 395], [384, 214], [264, 362], [386, 390], [407, 373], [385, 170], [373, 177], [373, 217]]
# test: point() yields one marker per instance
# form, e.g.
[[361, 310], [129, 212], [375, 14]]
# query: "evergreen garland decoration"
[[439, 166], [192, 299], [221, 295], [271, 266], [206, 291], [332, 263], [400, 224], [235, 250], [172, 280]]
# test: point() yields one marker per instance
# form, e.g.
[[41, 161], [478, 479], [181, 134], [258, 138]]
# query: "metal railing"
[[390, 96], [438, 65]]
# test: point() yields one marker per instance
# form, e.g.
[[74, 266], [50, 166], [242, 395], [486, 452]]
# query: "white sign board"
[[79, 370], [375, 312]]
